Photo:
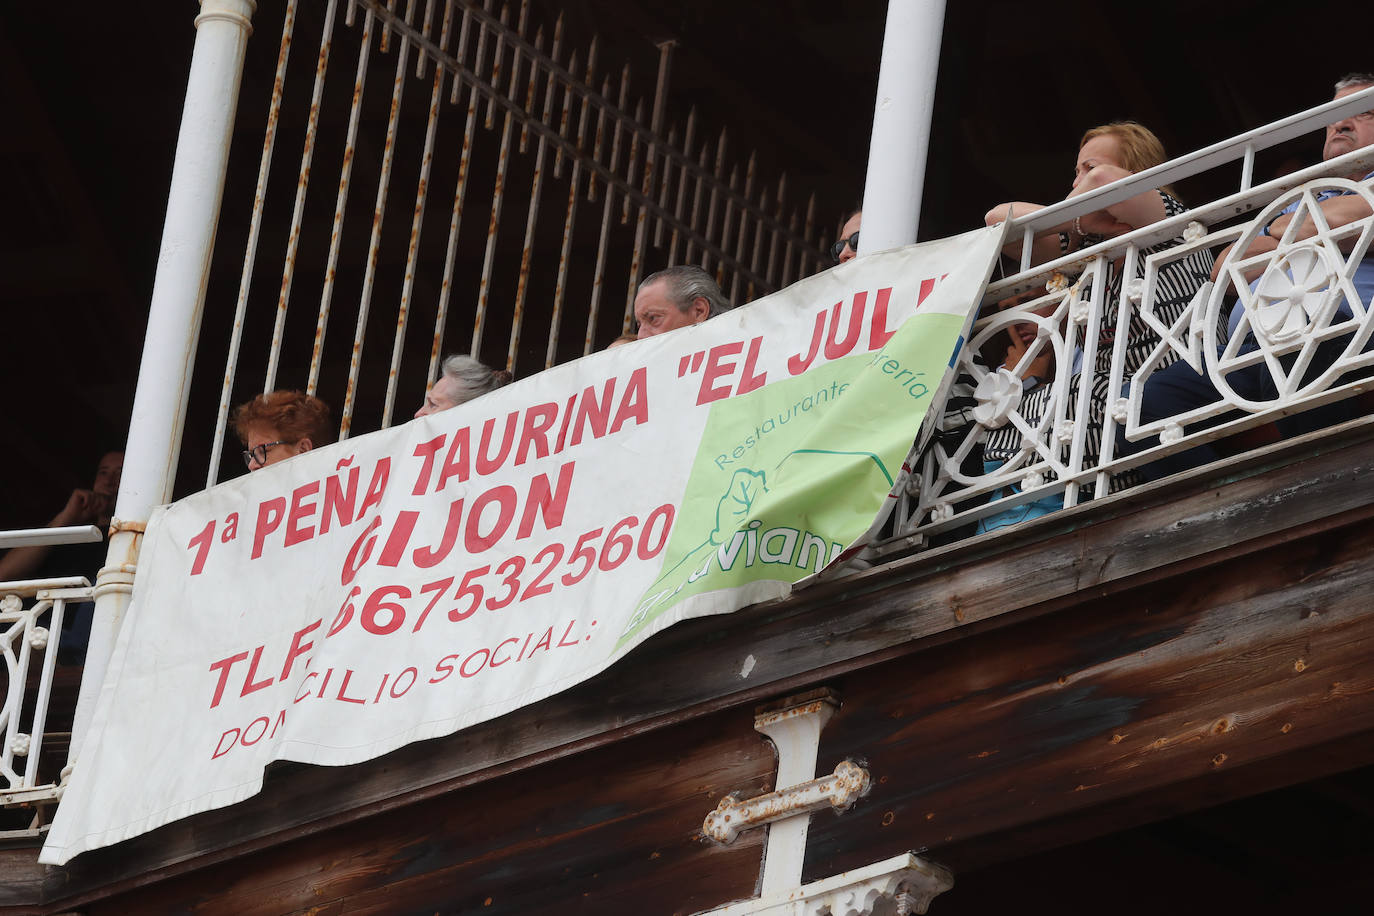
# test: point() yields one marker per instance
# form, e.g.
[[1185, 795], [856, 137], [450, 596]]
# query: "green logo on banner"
[[787, 476]]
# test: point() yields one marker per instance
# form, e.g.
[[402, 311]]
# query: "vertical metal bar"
[[174, 313], [497, 56], [561, 285], [727, 225], [696, 203], [632, 160], [499, 193], [755, 261], [417, 217], [1247, 168], [742, 241], [250, 255], [682, 187], [564, 113], [531, 87], [340, 200], [459, 190], [665, 188], [618, 125], [374, 242], [481, 54], [774, 235], [536, 185], [12, 712], [665, 59], [44, 697], [420, 59], [385, 45], [599, 272], [715, 198], [809, 236], [599, 144], [298, 210], [637, 248], [787, 256]]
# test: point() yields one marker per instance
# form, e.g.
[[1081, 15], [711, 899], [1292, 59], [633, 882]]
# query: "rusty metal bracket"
[[119, 524], [839, 790]]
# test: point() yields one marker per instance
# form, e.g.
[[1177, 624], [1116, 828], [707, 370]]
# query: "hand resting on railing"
[[1105, 154]]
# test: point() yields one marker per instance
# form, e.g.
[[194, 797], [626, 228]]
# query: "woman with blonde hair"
[[1106, 154]]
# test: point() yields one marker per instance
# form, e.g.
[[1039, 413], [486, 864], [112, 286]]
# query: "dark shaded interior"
[[94, 101]]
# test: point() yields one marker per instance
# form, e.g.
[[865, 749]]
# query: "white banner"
[[408, 583]]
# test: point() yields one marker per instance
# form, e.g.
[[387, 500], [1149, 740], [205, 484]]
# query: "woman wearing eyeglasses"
[[280, 425]]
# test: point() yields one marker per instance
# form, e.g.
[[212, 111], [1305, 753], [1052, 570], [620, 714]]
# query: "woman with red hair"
[[280, 425]]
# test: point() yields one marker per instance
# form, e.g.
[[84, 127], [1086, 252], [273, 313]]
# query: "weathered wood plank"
[[1178, 799], [582, 834], [1265, 656]]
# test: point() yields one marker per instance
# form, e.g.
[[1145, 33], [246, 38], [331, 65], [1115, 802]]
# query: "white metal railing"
[[553, 126], [29, 639], [28, 643], [1111, 318]]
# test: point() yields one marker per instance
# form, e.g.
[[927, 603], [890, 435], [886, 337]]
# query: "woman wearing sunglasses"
[[846, 247], [280, 425]]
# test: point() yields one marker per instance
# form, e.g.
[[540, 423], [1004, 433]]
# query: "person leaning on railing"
[[1179, 388], [280, 425], [1107, 154], [461, 379]]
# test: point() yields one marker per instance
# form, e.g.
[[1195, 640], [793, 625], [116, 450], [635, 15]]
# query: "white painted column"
[[901, 124], [164, 376]]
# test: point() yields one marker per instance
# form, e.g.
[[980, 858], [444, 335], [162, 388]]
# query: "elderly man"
[[1338, 208], [461, 378], [677, 297], [1179, 388]]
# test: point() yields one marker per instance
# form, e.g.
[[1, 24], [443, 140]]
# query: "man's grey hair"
[[1354, 79], [473, 378], [686, 283]]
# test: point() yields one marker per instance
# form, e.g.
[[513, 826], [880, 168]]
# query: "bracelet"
[[1078, 227], [1265, 231]]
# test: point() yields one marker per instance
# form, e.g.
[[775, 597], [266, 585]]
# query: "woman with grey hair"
[[461, 378]]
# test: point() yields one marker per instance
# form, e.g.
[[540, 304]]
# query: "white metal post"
[[164, 376], [901, 124], [796, 733]]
